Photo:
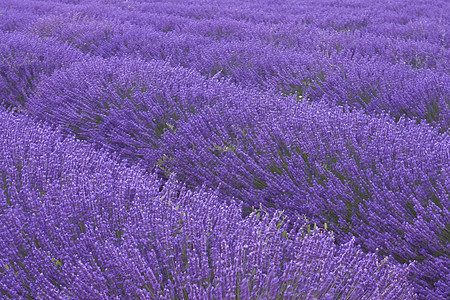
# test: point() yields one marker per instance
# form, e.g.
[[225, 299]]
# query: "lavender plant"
[[24, 59], [369, 177], [339, 170], [13, 19], [125, 104], [299, 106], [78, 224]]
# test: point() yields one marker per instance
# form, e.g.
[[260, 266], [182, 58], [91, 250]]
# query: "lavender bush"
[[24, 59], [76, 223], [337, 111]]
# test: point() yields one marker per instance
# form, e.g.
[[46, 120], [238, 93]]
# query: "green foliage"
[[57, 262], [259, 184], [163, 163]]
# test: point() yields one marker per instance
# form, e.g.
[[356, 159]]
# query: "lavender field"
[[290, 149]]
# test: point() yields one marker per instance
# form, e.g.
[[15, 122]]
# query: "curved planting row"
[[76, 223], [244, 100], [385, 182], [404, 71], [127, 104], [24, 60]]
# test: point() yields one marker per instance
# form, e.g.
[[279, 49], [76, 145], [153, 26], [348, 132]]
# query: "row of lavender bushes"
[[384, 182], [371, 67], [181, 105], [76, 223]]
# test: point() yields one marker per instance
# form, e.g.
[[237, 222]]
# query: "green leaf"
[[56, 262], [281, 223]]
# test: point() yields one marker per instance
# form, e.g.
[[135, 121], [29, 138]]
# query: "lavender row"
[[414, 21], [364, 71], [23, 61], [417, 53], [372, 85], [128, 104], [383, 181], [429, 43], [78, 224], [387, 184]]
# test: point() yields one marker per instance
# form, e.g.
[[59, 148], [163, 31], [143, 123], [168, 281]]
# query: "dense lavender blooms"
[[24, 59], [76, 223], [267, 55], [127, 104], [385, 183], [12, 19], [335, 166], [338, 110]]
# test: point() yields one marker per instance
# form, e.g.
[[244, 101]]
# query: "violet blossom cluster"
[[337, 110], [405, 73], [383, 181], [76, 223], [24, 59]]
